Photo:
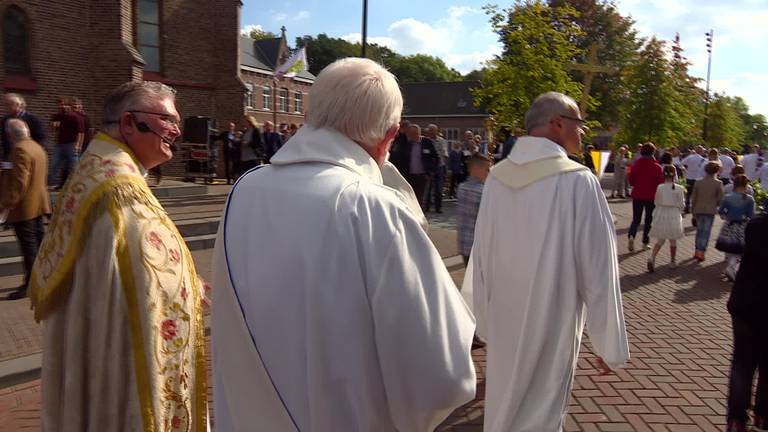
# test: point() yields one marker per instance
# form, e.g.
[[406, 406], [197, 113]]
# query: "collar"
[[124, 147], [528, 149], [327, 146]]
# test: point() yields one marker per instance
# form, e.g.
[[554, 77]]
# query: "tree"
[[421, 68], [258, 34], [650, 113], [758, 132], [476, 75], [323, 50], [538, 44], [688, 99], [614, 34], [724, 126]]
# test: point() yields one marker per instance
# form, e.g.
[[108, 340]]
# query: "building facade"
[[449, 105], [85, 48], [281, 102]]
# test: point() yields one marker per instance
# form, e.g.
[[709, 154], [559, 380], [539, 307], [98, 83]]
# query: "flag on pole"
[[295, 64], [600, 160]]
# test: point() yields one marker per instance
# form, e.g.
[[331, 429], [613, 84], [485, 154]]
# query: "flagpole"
[[274, 104], [365, 26]]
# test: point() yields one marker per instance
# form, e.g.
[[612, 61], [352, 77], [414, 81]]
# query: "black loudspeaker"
[[197, 130]]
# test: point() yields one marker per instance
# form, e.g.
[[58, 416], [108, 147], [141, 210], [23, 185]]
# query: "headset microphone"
[[143, 127]]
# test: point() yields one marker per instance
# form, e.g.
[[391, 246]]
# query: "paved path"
[[680, 339]]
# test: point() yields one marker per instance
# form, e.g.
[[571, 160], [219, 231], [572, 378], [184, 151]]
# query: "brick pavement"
[[680, 342]]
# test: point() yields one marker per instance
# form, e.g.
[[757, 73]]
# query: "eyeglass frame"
[[164, 117]]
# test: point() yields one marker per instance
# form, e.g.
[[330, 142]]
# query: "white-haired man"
[[23, 194], [750, 163], [338, 314], [16, 107], [116, 285], [544, 262]]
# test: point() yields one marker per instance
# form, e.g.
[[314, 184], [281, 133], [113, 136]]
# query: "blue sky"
[[459, 33]]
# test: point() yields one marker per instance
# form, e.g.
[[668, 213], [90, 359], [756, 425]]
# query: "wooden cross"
[[590, 68]]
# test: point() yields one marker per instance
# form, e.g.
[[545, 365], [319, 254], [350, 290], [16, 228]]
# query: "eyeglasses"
[[580, 120], [166, 118]]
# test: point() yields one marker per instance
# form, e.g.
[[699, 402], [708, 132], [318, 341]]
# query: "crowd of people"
[[339, 313]]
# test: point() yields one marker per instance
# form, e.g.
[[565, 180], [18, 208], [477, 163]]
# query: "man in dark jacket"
[[15, 107], [417, 161], [271, 139], [748, 305]]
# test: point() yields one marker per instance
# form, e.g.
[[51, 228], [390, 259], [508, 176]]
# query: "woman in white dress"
[[667, 216]]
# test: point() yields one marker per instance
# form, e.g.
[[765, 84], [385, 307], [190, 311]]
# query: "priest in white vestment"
[[332, 309], [116, 287], [544, 263]]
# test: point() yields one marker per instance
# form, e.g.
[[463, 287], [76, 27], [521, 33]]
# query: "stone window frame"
[[249, 95], [25, 68], [266, 97], [159, 24], [452, 134], [298, 98], [282, 99]]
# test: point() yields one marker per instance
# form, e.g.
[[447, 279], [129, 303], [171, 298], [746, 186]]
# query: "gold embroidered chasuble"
[[121, 303]]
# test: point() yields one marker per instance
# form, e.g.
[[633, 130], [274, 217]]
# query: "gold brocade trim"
[[119, 144], [58, 286], [131, 299], [201, 381]]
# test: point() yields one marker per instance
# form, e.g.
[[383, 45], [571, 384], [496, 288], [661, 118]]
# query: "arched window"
[[15, 41]]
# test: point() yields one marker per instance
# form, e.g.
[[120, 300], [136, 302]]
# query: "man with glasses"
[[543, 263], [116, 287]]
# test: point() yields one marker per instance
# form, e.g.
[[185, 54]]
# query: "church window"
[[148, 33], [16, 41]]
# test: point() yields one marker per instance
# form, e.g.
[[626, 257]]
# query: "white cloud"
[[454, 38], [740, 40], [245, 31], [283, 17]]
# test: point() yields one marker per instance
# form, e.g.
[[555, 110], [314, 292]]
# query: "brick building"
[[265, 99], [85, 48], [449, 105]]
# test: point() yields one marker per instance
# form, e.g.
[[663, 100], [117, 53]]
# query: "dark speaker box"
[[197, 130]]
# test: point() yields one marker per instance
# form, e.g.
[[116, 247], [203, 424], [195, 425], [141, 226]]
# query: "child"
[[705, 199], [736, 209], [667, 217], [468, 200]]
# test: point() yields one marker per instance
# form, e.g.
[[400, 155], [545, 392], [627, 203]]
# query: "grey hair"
[[356, 97], [17, 99], [545, 107], [415, 126], [17, 129], [432, 126], [133, 96]]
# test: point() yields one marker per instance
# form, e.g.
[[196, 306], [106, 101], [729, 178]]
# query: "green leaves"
[[538, 45]]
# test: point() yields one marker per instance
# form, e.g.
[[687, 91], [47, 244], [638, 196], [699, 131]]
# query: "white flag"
[[295, 64]]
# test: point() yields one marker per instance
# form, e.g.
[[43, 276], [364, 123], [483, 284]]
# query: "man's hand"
[[602, 367]]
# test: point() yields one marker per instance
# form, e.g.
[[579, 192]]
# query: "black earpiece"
[[142, 127]]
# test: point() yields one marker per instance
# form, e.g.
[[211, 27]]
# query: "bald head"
[[17, 130]]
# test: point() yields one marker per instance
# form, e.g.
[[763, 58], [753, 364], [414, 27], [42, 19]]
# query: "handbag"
[[731, 238]]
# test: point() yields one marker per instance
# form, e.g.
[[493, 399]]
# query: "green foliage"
[[602, 25], [757, 132], [476, 75], [323, 50], [538, 43], [725, 127], [761, 196], [650, 112], [421, 68], [257, 34]]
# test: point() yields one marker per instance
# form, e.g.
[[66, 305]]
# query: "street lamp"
[[710, 35], [365, 26]]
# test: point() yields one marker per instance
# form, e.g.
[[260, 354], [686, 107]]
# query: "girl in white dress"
[[667, 216]]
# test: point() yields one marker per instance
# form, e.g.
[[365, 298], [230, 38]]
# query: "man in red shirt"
[[70, 131], [646, 175]]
